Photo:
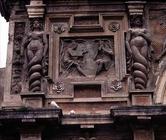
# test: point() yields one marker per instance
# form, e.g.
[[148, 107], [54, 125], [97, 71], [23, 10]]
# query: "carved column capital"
[[135, 7], [136, 12], [36, 9]]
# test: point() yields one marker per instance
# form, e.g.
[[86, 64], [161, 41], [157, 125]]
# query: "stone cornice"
[[4, 10], [31, 115], [138, 111]]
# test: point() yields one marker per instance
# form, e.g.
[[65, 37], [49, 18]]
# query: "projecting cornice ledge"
[[139, 112], [31, 115]]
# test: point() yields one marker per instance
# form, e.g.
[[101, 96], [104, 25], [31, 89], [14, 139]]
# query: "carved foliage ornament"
[[58, 87], [116, 85], [86, 57], [35, 48], [114, 26], [17, 59], [59, 28]]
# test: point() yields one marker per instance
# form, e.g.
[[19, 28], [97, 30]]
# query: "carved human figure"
[[34, 48], [138, 45], [105, 58], [73, 56], [162, 58], [89, 58]]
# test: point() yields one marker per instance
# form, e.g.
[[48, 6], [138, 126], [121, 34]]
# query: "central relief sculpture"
[[86, 57]]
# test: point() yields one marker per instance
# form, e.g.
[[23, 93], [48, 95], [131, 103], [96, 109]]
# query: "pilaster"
[[140, 89]]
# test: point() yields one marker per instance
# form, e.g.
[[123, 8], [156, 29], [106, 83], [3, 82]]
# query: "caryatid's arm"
[[24, 44], [45, 44], [128, 38]]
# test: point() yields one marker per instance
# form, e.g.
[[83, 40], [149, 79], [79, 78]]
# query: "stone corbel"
[[36, 9]]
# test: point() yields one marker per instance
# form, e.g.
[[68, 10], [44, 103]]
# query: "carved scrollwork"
[[35, 51], [139, 49], [86, 57]]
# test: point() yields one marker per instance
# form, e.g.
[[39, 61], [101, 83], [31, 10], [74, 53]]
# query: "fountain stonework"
[[84, 70]]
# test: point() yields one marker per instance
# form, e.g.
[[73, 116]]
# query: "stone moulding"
[[86, 119]]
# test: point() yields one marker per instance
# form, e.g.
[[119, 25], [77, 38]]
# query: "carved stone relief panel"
[[158, 19], [84, 57], [86, 54], [17, 65]]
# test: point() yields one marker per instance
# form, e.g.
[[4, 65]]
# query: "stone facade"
[[84, 70]]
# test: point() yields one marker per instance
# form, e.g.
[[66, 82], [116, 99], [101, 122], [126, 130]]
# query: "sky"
[[3, 41]]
